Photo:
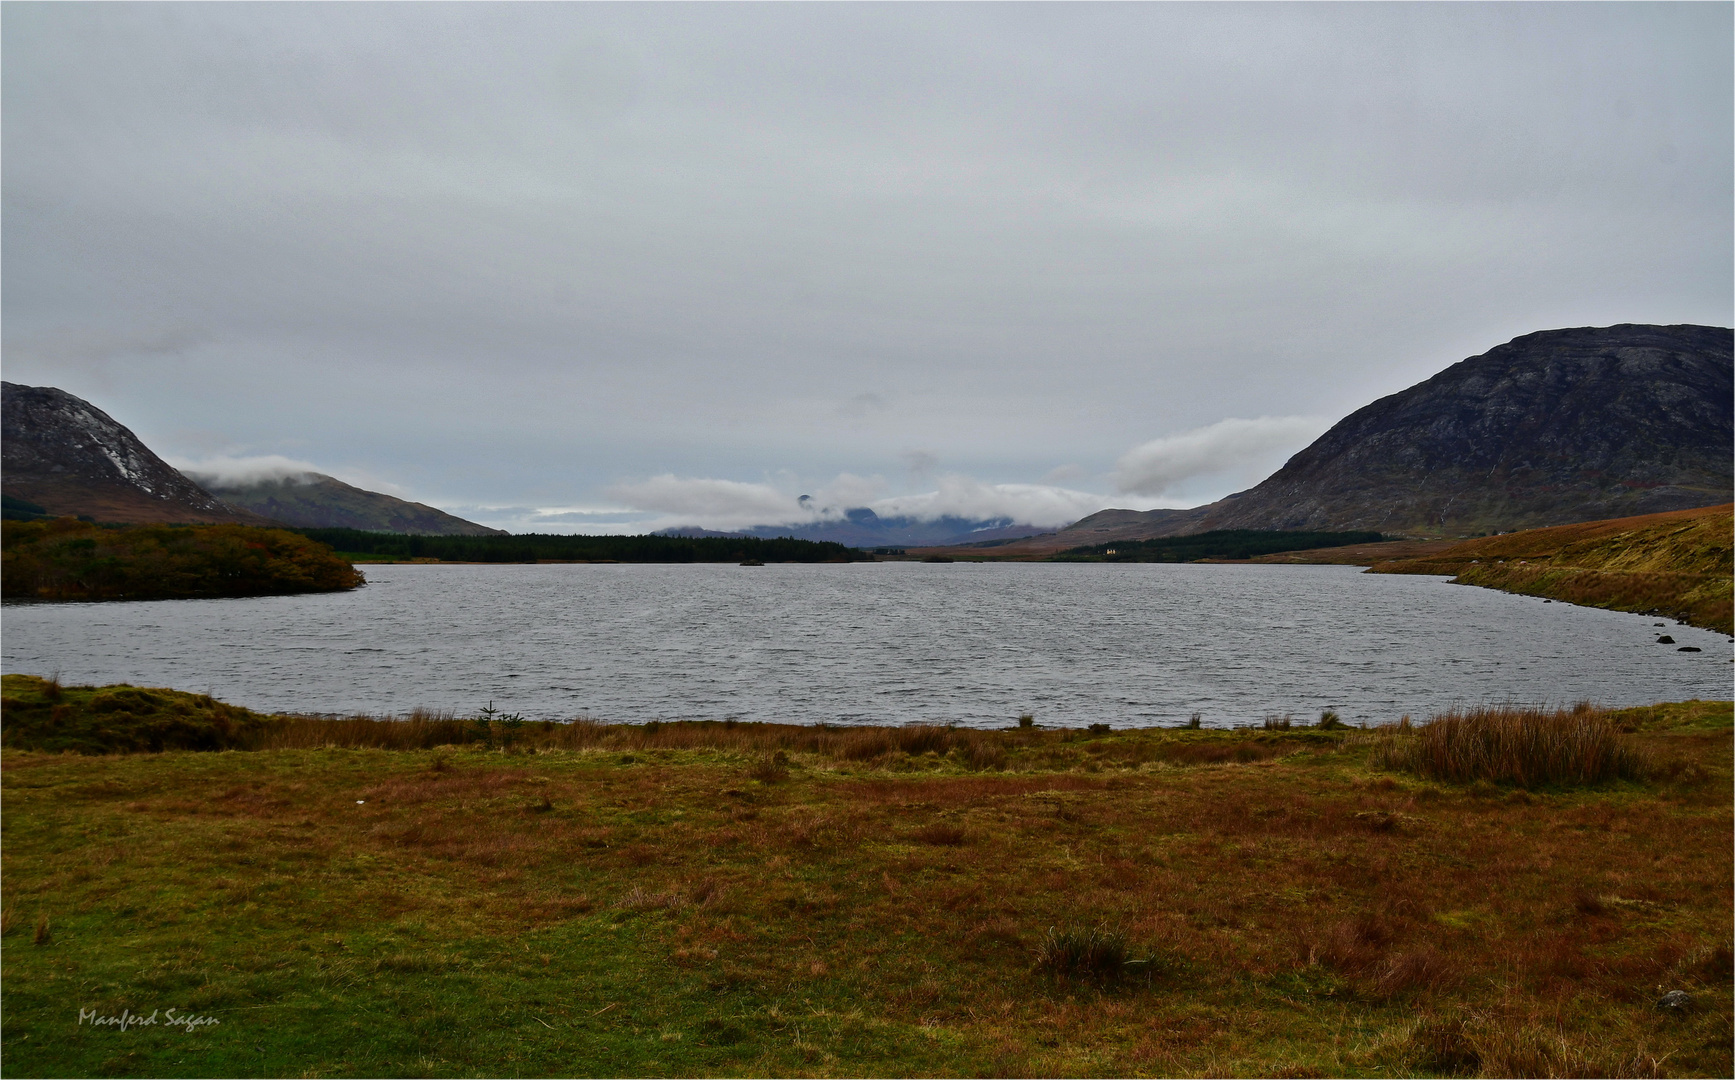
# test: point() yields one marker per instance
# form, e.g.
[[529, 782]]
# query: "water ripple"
[[973, 644]]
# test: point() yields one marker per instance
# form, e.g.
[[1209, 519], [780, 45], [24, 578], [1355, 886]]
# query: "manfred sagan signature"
[[158, 1018]]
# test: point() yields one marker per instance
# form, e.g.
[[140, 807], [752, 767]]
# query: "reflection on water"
[[968, 643]]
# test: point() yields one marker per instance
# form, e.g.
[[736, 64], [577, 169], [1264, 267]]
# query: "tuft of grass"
[[1525, 747], [773, 769], [941, 834], [1099, 953]]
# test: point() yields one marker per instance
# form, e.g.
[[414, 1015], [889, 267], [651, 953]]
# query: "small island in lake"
[[68, 559]]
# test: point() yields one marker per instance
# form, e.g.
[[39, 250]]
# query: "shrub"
[[1330, 721], [1511, 745], [1027, 720]]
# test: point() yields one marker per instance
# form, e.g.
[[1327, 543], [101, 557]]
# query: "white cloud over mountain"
[[226, 471], [733, 504], [1160, 466]]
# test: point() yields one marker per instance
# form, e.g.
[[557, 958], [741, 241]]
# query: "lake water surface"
[[975, 644]]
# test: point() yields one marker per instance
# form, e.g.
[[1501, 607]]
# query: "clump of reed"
[[771, 770], [1507, 744], [1098, 953]]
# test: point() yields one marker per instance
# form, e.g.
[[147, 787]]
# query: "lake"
[[897, 642]]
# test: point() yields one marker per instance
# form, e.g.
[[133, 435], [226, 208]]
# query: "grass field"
[[703, 899]]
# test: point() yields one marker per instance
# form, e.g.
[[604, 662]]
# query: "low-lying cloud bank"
[[1233, 449], [733, 504], [223, 471], [230, 471], [1161, 465], [1145, 476]]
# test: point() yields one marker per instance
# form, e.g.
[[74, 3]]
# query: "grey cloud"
[[525, 253]]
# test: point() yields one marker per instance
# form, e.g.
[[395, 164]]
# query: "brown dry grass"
[[1527, 747]]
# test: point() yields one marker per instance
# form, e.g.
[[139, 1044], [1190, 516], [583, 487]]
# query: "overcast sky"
[[600, 267]]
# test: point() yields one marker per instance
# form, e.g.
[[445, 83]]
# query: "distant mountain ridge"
[[69, 457], [862, 528], [316, 501]]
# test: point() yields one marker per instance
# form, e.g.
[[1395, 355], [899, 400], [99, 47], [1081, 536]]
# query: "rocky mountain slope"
[[1550, 428], [69, 457], [316, 501]]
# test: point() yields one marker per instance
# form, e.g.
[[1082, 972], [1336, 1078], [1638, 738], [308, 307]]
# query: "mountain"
[[316, 501], [67, 456], [862, 528], [1551, 428]]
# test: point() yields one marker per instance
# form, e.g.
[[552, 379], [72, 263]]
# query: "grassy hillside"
[[712, 899], [1677, 564], [64, 559]]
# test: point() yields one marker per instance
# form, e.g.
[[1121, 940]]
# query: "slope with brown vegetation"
[[689, 899], [1679, 564]]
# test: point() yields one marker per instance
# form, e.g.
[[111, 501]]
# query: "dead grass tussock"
[[1527, 747], [1097, 953]]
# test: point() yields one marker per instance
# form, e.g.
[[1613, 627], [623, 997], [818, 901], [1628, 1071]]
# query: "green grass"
[[678, 902]]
